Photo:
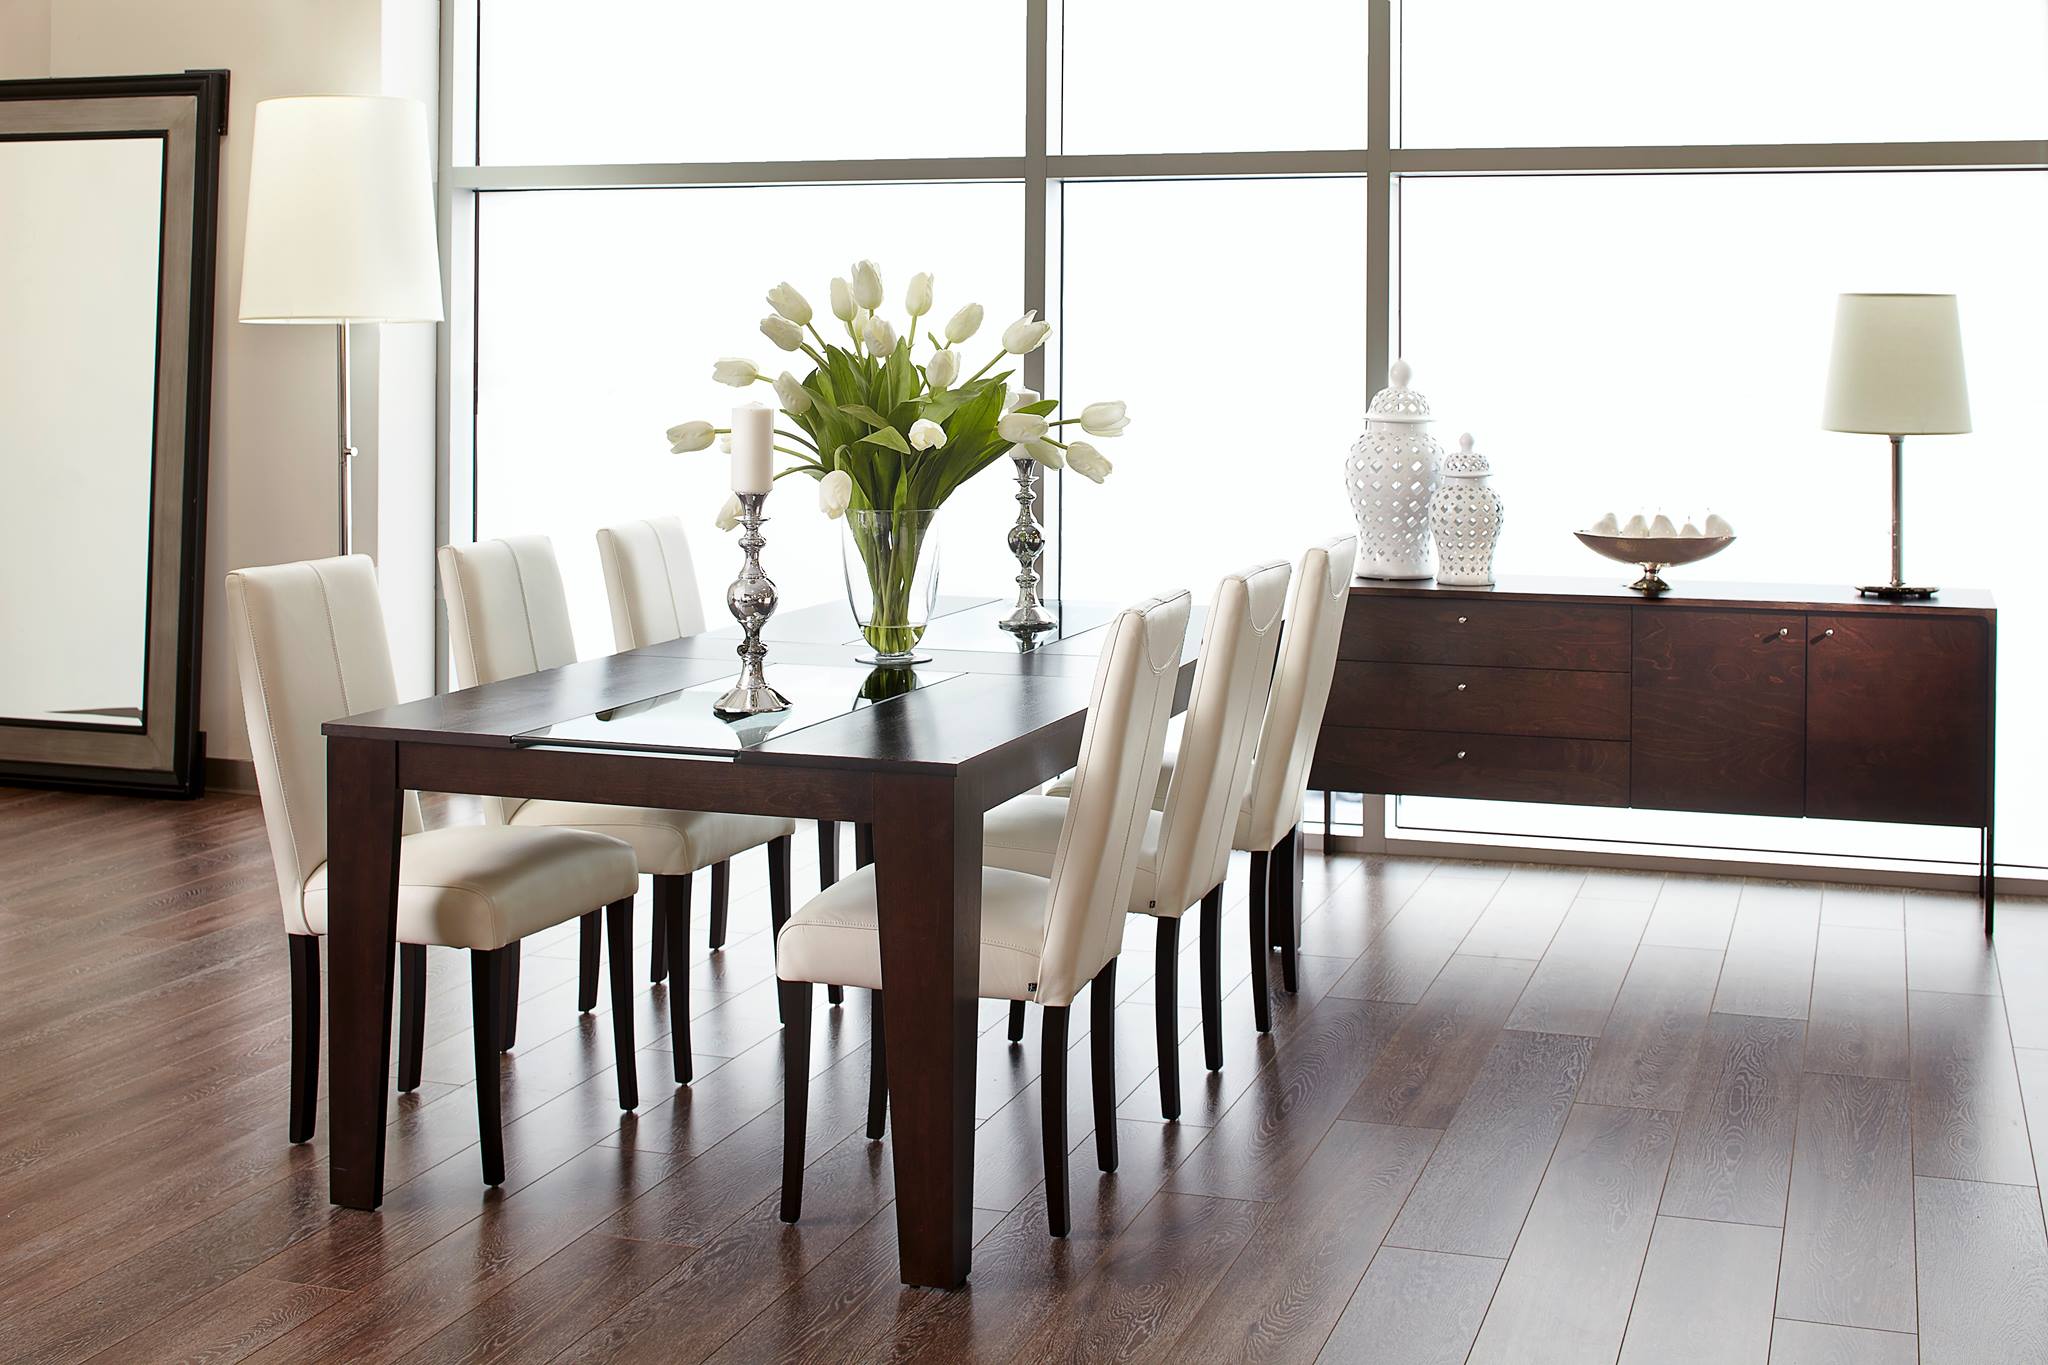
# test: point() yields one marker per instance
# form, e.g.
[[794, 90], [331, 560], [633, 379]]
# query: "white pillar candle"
[[753, 448]]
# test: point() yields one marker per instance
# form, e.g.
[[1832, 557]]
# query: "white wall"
[[271, 490]]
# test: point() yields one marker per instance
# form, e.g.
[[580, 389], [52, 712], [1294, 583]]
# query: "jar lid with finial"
[[1465, 462], [1398, 402]]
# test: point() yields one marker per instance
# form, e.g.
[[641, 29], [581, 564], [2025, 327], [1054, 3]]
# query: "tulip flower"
[[783, 332], [842, 300], [917, 300], [728, 515], [858, 323], [795, 399], [1024, 335], [1020, 428], [688, 436], [734, 371], [1017, 398], [1045, 452], [1087, 461], [942, 369], [879, 337], [784, 299], [835, 493], [963, 324], [867, 285], [926, 434], [1104, 419]]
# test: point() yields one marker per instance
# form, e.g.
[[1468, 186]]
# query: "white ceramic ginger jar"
[[1466, 516], [1391, 474]]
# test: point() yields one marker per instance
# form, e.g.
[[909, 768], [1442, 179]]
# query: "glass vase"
[[892, 579]]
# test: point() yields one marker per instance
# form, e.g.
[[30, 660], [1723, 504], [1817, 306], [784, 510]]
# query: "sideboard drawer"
[[1560, 703], [1496, 634], [1575, 772]]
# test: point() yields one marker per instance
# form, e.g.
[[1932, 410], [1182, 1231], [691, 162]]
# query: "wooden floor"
[[1515, 1114]]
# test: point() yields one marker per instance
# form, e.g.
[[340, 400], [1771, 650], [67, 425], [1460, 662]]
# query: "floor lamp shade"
[[341, 213], [1897, 367]]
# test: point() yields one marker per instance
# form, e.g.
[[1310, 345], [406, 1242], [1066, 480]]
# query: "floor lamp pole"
[[344, 481]]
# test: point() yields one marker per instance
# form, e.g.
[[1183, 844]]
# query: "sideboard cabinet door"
[[1897, 714], [1717, 712]]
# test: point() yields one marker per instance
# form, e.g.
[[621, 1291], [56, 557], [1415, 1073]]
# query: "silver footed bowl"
[[1654, 553]]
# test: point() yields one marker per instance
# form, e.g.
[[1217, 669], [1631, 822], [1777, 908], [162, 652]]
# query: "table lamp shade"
[[341, 213], [1897, 367]]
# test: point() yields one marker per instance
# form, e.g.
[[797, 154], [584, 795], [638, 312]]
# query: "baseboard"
[[234, 775]]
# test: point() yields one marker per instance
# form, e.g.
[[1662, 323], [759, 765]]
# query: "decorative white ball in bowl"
[[1654, 545]]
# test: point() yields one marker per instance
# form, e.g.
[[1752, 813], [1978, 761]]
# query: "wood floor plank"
[[2022, 951], [1769, 967], [1414, 1308], [1862, 907], [1705, 1295], [1818, 1343], [1425, 1069], [1968, 1122], [1694, 912], [241, 1317], [1848, 1255], [840, 1308], [1646, 1055], [1983, 1274], [1285, 1291], [1399, 964], [1945, 945], [1523, 915], [2033, 1069], [1734, 1156], [1478, 1185], [1857, 1026], [1566, 1291], [1573, 988]]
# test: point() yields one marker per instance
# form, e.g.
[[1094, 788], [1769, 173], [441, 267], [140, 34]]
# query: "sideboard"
[[1754, 699]]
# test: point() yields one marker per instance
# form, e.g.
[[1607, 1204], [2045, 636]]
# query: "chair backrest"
[[310, 647], [651, 582], [507, 616], [1212, 770], [1122, 744], [1301, 690]]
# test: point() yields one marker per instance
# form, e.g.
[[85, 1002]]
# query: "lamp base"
[[1896, 591]]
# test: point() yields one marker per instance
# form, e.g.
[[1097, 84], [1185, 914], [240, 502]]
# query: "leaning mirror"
[[108, 189]]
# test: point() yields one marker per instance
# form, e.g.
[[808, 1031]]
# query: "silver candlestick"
[[751, 600], [1027, 542]]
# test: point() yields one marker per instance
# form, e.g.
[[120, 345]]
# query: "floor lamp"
[[341, 229], [1897, 371]]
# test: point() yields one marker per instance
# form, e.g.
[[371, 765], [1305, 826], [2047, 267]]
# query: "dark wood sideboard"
[[1755, 699]]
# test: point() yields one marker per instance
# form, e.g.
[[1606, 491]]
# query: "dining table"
[[916, 755]]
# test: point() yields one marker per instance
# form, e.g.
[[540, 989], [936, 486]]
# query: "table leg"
[[927, 845], [363, 806]]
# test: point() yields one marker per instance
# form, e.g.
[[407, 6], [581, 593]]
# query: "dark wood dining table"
[[919, 759]]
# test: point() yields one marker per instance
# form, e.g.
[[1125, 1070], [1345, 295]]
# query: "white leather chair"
[[1186, 852], [509, 616], [310, 647], [1042, 938]]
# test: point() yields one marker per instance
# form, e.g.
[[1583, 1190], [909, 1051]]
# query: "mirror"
[[106, 282]]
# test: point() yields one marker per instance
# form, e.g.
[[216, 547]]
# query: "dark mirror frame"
[[189, 112]]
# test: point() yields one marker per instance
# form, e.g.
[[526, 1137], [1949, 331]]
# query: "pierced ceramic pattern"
[[1466, 515], [1391, 475]]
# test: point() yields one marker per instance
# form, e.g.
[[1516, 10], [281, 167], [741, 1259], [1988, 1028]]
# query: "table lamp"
[[341, 227], [1897, 371]]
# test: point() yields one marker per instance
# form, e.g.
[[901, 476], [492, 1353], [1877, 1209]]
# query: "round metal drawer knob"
[[1784, 630], [1461, 687], [1828, 633], [1461, 620], [1461, 753]]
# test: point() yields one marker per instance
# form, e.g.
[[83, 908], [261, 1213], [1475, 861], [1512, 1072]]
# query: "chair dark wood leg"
[[591, 932], [1262, 1000], [618, 923], [486, 983], [863, 844], [1284, 908], [1212, 979], [412, 1013], [1016, 1021], [721, 897], [672, 914], [1052, 1107], [1166, 1015], [796, 1091], [657, 952], [878, 1076], [828, 853], [305, 964], [508, 997], [778, 897], [1102, 1056]]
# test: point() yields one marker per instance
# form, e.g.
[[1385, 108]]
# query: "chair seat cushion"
[[668, 843], [833, 939], [1240, 839], [1023, 834], [484, 886]]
